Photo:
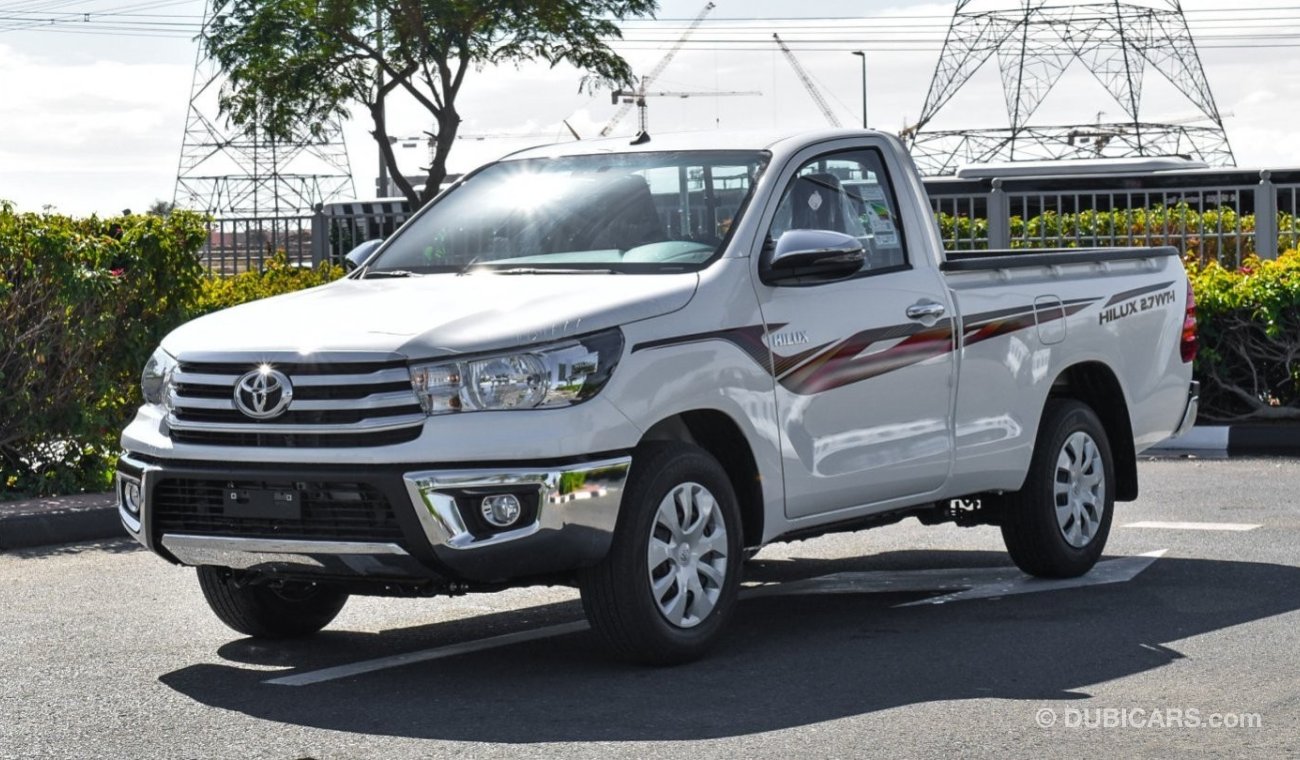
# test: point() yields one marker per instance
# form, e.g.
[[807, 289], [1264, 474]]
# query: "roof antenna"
[[641, 138]]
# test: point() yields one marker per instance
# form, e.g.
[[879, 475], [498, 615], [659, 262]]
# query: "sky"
[[92, 122]]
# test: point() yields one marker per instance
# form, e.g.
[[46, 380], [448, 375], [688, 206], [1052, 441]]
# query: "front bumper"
[[387, 524]]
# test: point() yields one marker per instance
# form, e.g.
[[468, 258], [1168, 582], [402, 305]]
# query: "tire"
[[1071, 467], [671, 611], [291, 612]]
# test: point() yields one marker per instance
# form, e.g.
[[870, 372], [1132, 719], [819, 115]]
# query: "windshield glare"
[[634, 212]]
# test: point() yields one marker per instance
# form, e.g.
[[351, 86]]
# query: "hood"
[[435, 315]]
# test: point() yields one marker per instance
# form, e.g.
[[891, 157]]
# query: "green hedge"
[[1249, 362], [83, 303], [1214, 234]]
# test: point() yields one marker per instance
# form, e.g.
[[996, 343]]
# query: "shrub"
[[1249, 319], [276, 278], [83, 303], [1218, 234]]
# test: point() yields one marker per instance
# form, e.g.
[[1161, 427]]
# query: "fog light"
[[501, 510], [131, 496]]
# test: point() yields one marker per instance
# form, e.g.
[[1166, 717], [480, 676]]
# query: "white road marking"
[[963, 583], [1192, 525], [1120, 570], [383, 663]]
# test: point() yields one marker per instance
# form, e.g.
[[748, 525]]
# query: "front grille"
[[297, 440], [343, 511], [335, 404]]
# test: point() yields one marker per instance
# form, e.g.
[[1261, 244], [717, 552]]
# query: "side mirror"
[[811, 256], [357, 256]]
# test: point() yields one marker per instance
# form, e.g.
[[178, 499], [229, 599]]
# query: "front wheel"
[[290, 611], [1057, 524], [668, 585]]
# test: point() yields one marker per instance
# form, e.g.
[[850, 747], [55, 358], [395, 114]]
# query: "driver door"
[[864, 365]]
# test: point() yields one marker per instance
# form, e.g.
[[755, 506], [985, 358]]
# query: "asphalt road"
[[110, 652]]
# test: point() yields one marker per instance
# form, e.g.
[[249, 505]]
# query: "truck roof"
[[702, 140]]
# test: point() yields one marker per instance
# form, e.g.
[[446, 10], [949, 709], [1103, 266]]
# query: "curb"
[[1276, 440], [59, 520]]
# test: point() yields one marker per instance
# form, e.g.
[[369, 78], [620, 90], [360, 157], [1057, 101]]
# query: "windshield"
[[632, 212]]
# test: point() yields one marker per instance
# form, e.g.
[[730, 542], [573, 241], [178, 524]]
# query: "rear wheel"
[[292, 610], [1056, 526], [668, 585]]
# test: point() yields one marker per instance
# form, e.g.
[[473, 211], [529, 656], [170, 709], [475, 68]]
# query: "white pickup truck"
[[628, 367]]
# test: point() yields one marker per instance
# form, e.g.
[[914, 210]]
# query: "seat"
[[818, 204], [625, 215]]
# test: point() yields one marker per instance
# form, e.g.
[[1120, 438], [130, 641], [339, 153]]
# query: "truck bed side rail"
[[970, 261]]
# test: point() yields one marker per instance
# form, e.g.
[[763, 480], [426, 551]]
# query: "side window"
[[846, 192]]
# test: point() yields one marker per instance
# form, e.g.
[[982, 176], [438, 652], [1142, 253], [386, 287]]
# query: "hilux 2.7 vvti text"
[[628, 367]]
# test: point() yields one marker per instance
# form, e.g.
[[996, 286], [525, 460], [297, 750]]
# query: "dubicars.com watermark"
[[1177, 718]]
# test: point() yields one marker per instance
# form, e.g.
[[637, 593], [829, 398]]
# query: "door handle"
[[925, 310]]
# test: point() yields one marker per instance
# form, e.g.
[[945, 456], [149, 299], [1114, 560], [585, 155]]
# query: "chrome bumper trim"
[[370, 425], [136, 526], [363, 558], [1189, 413], [583, 495], [577, 511]]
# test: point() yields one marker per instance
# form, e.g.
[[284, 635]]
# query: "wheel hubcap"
[[1080, 489], [687, 557]]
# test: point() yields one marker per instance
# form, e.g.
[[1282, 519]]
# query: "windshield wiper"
[[381, 273], [469, 265], [547, 270]]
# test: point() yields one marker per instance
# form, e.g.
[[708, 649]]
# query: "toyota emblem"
[[263, 393]]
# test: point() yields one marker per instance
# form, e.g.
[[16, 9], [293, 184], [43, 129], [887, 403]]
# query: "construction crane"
[[631, 96], [807, 82], [639, 95], [637, 98]]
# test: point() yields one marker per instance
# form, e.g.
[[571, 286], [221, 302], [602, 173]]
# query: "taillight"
[[1189, 344]]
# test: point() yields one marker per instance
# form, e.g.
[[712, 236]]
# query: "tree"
[[292, 66], [161, 207]]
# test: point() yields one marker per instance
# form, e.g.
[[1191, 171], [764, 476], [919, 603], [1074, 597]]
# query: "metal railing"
[[1220, 215], [236, 245], [241, 245], [1214, 214]]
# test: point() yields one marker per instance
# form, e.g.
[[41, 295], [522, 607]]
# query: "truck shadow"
[[788, 660]]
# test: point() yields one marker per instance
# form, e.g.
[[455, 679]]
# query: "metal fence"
[[240, 245], [237, 245], [1214, 214], [1221, 215]]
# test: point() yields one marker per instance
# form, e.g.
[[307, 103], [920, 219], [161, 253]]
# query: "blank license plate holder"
[[263, 503]]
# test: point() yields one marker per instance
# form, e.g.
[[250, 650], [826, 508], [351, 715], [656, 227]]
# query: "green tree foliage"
[[292, 66]]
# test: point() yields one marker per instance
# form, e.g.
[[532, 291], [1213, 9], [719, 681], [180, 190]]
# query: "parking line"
[[1193, 525], [382, 663]]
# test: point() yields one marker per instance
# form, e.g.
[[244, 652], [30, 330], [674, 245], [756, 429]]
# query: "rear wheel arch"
[[1095, 384], [717, 433]]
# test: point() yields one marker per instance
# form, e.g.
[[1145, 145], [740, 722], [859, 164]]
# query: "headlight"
[[558, 374], [157, 376]]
